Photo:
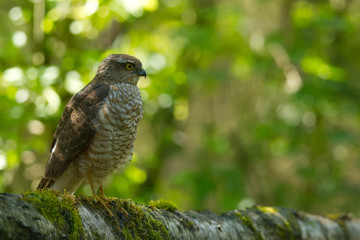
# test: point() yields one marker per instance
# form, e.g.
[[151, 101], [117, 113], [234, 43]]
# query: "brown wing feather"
[[74, 132]]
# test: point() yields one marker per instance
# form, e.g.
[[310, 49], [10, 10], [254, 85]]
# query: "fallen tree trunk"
[[51, 215]]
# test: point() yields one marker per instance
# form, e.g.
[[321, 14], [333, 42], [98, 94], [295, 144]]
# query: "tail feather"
[[45, 183]]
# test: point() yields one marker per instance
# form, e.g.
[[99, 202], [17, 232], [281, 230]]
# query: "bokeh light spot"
[[49, 76], [181, 110], [165, 100], [257, 41], [134, 7], [32, 73], [309, 119], [38, 58], [36, 127], [19, 39], [22, 95], [76, 27], [47, 25], [3, 162], [28, 157], [135, 174], [15, 13], [52, 99], [157, 61], [180, 78], [150, 5], [73, 82], [103, 11], [189, 17], [14, 75]]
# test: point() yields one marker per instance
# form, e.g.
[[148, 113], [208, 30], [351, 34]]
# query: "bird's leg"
[[102, 195], [88, 175], [101, 199]]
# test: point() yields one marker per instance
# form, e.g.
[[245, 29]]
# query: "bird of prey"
[[97, 129]]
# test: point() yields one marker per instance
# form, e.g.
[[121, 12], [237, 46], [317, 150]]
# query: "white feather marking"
[[54, 147]]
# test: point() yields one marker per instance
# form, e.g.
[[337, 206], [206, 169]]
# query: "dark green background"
[[247, 102]]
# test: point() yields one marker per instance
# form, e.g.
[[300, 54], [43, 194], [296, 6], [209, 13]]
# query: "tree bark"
[[51, 215]]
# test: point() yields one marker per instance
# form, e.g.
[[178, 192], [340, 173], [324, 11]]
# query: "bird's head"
[[123, 68]]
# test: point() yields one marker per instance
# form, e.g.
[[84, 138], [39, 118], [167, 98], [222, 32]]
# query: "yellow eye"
[[129, 66]]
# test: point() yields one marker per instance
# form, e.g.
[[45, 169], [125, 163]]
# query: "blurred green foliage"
[[250, 101]]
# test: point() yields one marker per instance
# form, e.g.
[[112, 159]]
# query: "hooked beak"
[[142, 73]]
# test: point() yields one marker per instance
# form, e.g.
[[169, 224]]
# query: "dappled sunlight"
[[49, 75], [165, 100], [3, 162], [317, 66], [73, 82], [89, 8], [36, 127], [181, 110], [19, 39]]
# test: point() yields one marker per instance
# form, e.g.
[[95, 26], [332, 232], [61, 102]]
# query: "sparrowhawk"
[[97, 129]]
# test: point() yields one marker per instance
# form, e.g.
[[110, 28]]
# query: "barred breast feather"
[[116, 126]]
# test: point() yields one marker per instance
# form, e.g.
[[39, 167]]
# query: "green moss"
[[340, 216], [246, 220], [248, 223], [189, 224], [61, 210], [57, 208], [283, 230], [340, 219], [267, 209], [164, 204], [140, 222]]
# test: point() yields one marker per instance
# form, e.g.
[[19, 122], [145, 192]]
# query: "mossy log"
[[51, 215]]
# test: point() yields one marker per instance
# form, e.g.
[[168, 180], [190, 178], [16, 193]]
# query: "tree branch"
[[51, 215]]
